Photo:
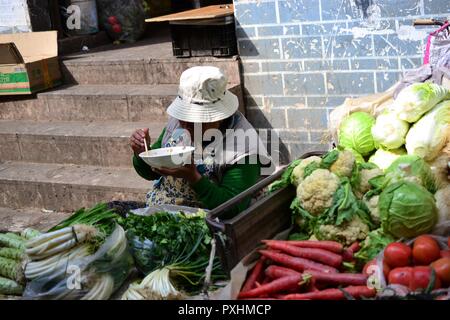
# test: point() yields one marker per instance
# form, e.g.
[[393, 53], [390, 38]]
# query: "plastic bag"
[[94, 277], [144, 253], [378, 281], [123, 20]]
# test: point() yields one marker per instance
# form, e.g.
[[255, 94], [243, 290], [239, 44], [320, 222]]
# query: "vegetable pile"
[[305, 270], [174, 251], [88, 243], [12, 256], [423, 266]]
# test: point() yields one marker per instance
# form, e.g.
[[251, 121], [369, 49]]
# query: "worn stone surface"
[[86, 143], [16, 220], [66, 187]]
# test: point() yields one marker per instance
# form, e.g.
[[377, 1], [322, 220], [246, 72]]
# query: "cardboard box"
[[28, 62]]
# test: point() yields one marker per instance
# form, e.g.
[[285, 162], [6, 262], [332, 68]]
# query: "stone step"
[[71, 142], [66, 188], [16, 220], [123, 70], [93, 103], [97, 103]]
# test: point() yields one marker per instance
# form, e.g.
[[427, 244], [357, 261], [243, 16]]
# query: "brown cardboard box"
[[28, 62]]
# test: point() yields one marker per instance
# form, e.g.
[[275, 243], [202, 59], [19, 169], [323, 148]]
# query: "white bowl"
[[173, 157]]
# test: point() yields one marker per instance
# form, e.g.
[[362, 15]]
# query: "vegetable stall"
[[370, 219]]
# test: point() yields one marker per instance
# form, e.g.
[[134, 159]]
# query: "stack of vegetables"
[[385, 180], [305, 270], [174, 252], [88, 245], [417, 124], [12, 255], [421, 267]]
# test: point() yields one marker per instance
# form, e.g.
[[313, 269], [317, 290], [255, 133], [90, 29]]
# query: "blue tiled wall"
[[302, 58]]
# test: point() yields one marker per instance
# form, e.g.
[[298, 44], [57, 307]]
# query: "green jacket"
[[235, 180]]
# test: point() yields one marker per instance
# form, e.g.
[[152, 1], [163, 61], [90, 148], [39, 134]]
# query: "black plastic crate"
[[203, 39]]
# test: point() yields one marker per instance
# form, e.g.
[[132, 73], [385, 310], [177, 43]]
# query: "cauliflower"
[[442, 197], [343, 166], [365, 176], [372, 204], [297, 173], [315, 193], [347, 233], [440, 168]]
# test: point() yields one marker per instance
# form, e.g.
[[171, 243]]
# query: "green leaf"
[[310, 168], [285, 179], [329, 158]]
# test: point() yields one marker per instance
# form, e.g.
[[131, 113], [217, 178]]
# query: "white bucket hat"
[[203, 96]]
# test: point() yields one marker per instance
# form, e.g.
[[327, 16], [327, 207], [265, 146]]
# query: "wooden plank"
[[209, 12]]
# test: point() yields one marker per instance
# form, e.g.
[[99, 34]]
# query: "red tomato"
[[442, 268], [445, 253], [401, 276], [397, 254], [373, 262], [117, 28], [425, 250], [420, 279], [112, 20]]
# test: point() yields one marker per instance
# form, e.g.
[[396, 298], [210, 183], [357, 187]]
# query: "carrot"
[[334, 294], [276, 272], [319, 255], [277, 285], [355, 279], [350, 251], [266, 280], [298, 264], [254, 275], [332, 246]]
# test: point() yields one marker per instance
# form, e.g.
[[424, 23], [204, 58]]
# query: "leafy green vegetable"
[[407, 210], [345, 208], [411, 168], [327, 161], [384, 158], [285, 179], [355, 133], [177, 241], [375, 242], [416, 99], [389, 131], [428, 136], [98, 216]]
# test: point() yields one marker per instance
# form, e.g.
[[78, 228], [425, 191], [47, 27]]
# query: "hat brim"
[[204, 113]]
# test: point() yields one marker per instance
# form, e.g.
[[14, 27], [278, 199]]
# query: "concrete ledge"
[[66, 187]]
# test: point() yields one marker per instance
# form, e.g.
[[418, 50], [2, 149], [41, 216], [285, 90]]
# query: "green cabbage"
[[384, 158], [407, 210], [355, 133], [413, 169], [389, 131], [428, 136], [415, 100]]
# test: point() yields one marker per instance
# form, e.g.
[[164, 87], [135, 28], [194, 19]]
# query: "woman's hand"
[[137, 140], [188, 172]]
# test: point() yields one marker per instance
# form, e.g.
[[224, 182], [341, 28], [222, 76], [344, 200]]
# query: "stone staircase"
[[68, 147]]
